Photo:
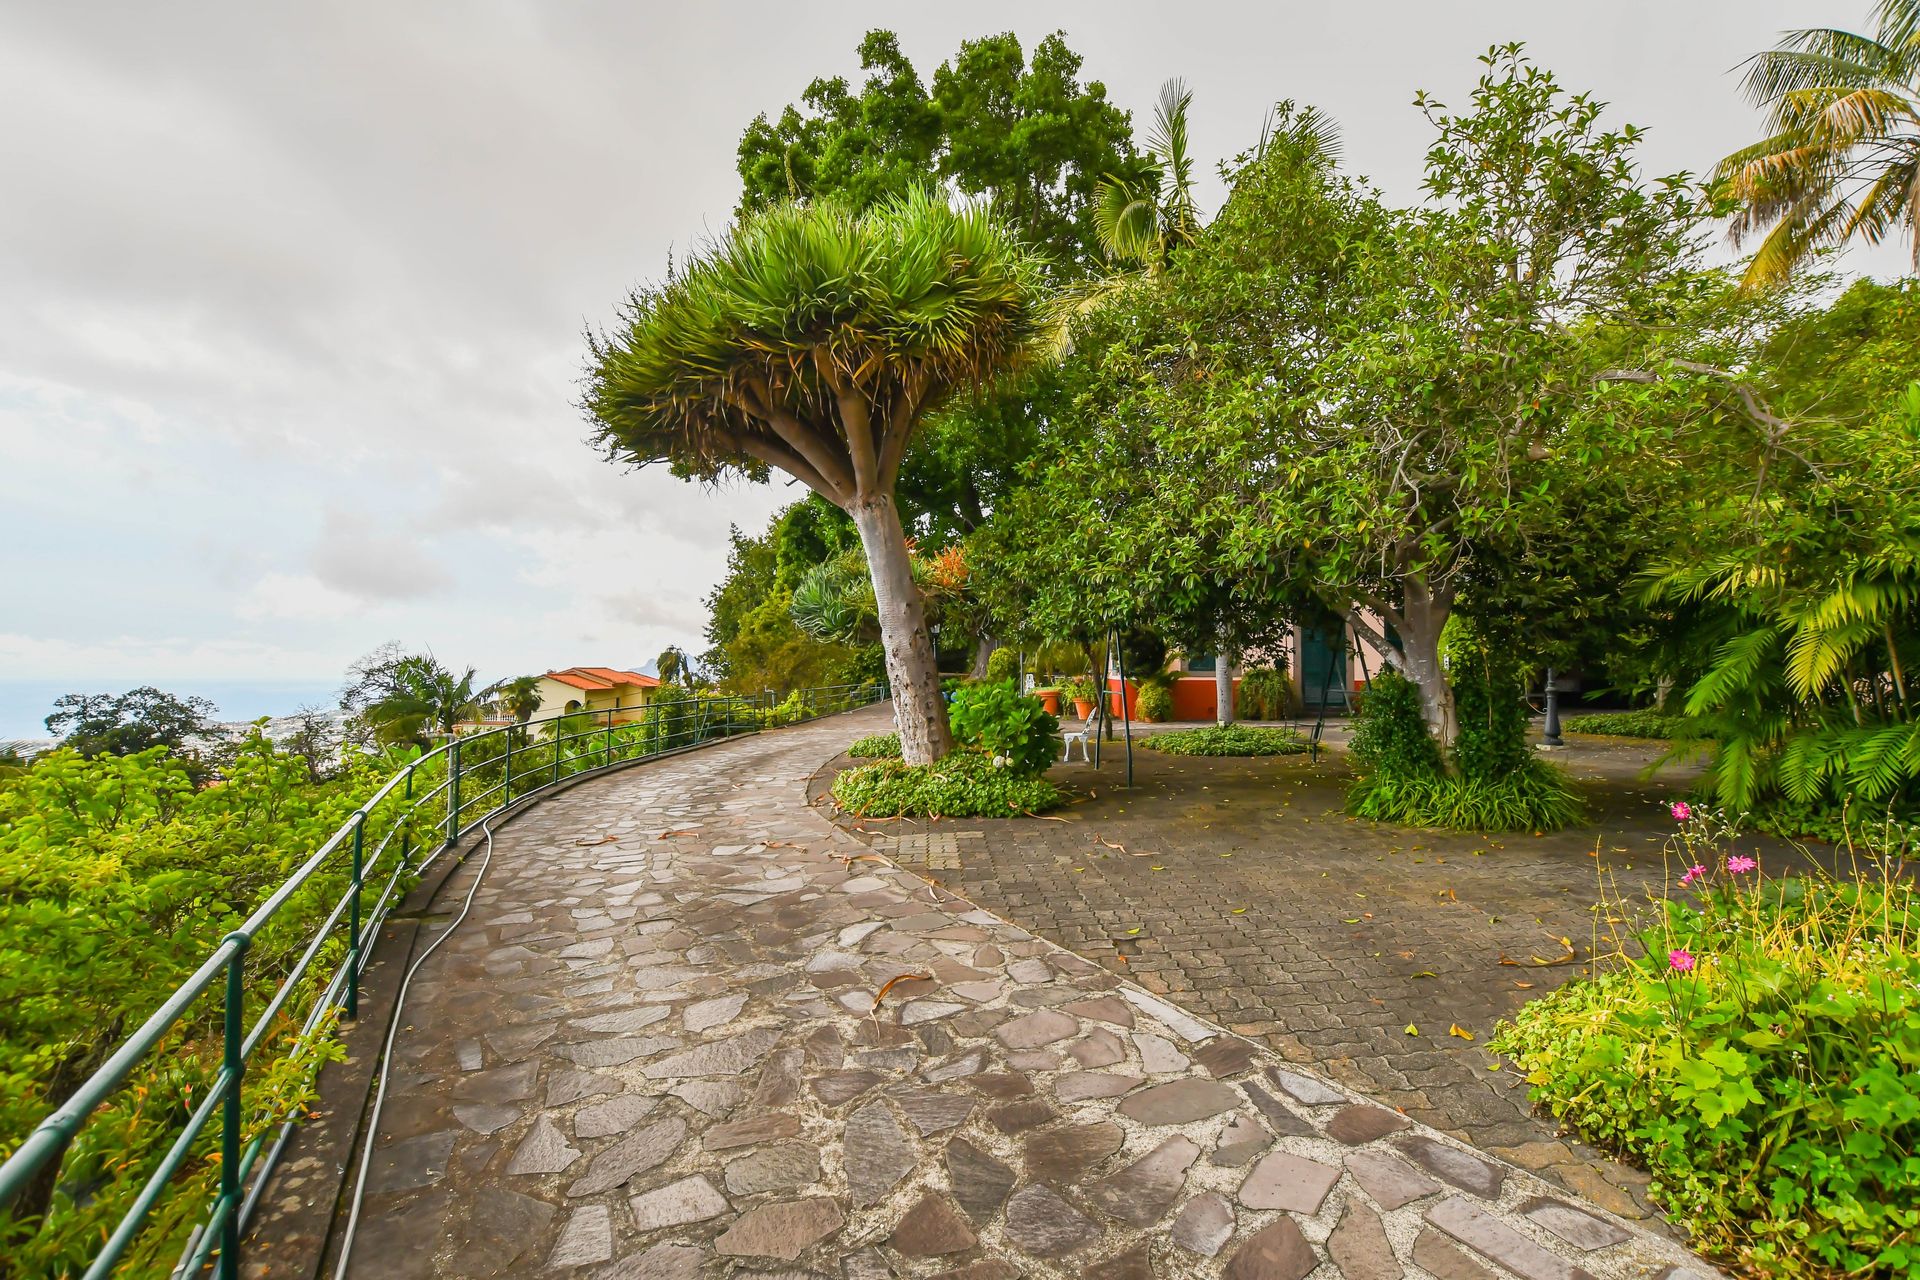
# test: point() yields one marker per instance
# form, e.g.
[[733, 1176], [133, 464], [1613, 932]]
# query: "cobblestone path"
[[693, 1029], [1242, 891]]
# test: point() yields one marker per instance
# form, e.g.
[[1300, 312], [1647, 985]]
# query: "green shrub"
[[1265, 694], [1390, 733], [118, 878], [877, 745], [1490, 739], [965, 784], [1755, 1044], [1078, 689], [1537, 797], [1155, 702], [1229, 740], [1646, 723], [1003, 664], [1404, 780], [1005, 724]]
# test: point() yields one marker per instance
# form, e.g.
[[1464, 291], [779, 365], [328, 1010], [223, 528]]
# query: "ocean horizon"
[[25, 704]]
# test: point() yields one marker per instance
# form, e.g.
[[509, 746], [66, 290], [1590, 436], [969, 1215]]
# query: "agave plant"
[[1842, 159], [812, 340]]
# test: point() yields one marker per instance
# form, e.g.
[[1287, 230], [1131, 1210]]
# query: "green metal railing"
[[509, 765]]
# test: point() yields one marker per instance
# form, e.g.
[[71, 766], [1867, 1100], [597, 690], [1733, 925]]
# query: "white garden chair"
[[1080, 736]]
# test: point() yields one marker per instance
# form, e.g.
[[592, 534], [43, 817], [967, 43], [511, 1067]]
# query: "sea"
[[25, 704]]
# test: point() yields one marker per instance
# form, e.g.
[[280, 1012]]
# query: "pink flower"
[[1681, 959], [1740, 862], [1694, 872], [1680, 810]]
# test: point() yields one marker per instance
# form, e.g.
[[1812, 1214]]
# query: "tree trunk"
[[919, 712], [982, 650], [1223, 681], [1424, 613]]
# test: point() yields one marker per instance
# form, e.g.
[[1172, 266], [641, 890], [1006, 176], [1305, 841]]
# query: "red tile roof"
[[601, 678]]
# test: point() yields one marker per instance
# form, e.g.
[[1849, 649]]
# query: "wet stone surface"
[[657, 1050]]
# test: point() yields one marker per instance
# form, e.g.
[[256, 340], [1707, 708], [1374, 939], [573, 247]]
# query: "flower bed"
[[1755, 1043]]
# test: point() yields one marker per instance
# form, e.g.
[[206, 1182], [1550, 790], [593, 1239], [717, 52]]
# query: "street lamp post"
[[1551, 737]]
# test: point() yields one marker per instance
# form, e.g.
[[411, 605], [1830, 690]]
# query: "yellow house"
[[595, 689]]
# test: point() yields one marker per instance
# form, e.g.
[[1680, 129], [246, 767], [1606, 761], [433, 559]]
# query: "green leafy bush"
[[1003, 664], [1389, 733], [1755, 1044], [1229, 740], [877, 745], [118, 878], [1005, 724], [1646, 723], [1404, 780], [1155, 702], [964, 784], [1265, 694]]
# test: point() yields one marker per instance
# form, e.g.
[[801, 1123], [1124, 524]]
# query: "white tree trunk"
[[1223, 681], [919, 712], [1424, 614]]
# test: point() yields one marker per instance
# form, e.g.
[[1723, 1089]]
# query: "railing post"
[[228, 1267], [506, 780], [406, 827], [453, 793], [609, 736], [353, 918]]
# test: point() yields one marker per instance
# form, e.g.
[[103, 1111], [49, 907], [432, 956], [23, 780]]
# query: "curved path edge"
[[692, 1028]]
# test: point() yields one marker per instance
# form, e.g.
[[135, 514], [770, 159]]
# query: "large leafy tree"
[[405, 697], [812, 340], [135, 721], [1842, 158], [1026, 135]]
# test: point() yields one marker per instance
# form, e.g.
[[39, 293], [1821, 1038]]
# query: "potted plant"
[[1050, 699], [1079, 691]]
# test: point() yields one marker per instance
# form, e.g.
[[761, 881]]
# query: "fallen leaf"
[[1239, 911], [1426, 973], [895, 981], [1524, 986], [1457, 1030], [1355, 920], [1412, 1030]]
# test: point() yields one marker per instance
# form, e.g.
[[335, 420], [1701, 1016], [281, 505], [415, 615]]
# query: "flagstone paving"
[[693, 1029]]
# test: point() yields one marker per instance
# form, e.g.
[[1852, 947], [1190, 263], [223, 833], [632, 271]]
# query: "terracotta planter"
[[1083, 707], [1050, 699]]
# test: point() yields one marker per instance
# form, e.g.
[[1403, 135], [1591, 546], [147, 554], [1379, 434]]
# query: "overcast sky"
[[291, 294]]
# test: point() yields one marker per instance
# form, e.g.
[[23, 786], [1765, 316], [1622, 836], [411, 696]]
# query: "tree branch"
[[755, 399]]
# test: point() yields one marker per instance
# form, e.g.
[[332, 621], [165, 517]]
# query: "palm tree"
[[423, 699], [520, 696], [1843, 156], [1143, 222], [813, 339], [672, 665]]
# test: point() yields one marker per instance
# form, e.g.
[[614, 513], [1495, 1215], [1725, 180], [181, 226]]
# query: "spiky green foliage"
[[1842, 159], [812, 339], [1538, 797], [1265, 694]]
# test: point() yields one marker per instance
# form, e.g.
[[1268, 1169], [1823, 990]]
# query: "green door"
[[1323, 666]]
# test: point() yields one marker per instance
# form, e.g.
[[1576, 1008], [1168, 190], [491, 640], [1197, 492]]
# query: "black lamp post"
[[1551, 736]]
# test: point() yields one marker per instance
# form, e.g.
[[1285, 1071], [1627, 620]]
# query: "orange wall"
[[1193, 696]]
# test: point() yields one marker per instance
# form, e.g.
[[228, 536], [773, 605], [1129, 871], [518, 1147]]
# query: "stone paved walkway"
[[693, 1029], [1241, 890]]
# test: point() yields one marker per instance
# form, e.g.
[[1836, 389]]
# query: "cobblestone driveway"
[[677, 1038]]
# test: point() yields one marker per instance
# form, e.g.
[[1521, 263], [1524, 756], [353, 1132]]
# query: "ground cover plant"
[[965, 784], [1228, 740], [875, 746], [1645, 723], [1755, 1043]]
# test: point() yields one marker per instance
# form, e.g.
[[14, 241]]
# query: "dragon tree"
[[813, 339]]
